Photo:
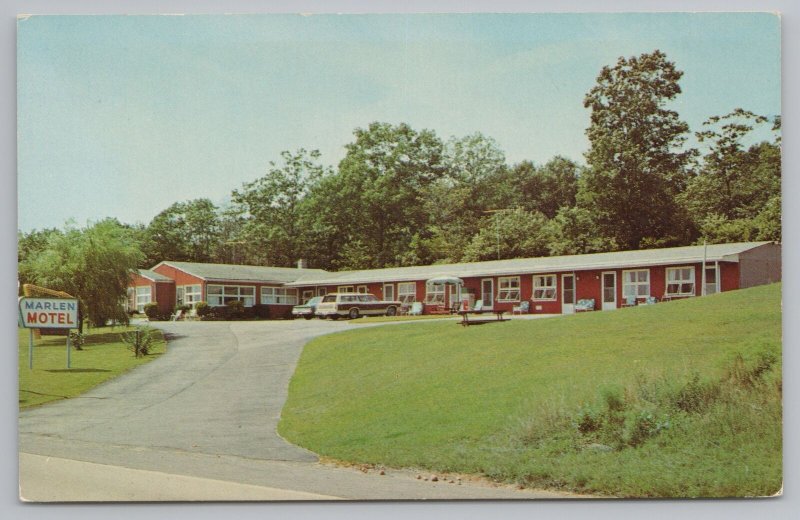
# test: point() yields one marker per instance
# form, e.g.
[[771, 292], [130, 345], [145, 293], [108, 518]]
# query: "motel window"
[[544, 287], [278, 296], [508, 289], [143, 297], [636, 284], [188, 294], [307, 295], [219, 295], [680, 281], [322, 291], [712, 279], [345, 288], [434, 294], [407, 292], [362, 289]]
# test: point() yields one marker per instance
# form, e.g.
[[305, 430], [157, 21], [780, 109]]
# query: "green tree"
[[736, 185], [272, 209], [546, 189], [635, 166], [29, 246], [93, 264], [510, 234], [380, 187]]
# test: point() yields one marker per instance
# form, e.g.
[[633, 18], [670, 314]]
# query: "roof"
[[615, 260], [154, 276], [243, 273]]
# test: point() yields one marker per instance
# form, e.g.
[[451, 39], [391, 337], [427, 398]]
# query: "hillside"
[[675, 399]]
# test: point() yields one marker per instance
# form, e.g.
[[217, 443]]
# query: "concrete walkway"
[[207, 410]]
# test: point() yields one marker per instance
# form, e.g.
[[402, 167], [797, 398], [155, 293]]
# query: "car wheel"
[[334, 316], [354, 313], [391, 311], [308, 316]]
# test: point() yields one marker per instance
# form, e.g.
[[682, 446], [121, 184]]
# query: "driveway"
[[207, 409]]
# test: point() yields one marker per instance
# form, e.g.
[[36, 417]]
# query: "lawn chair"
[[177, 316], [416, 309], [630, 301], [478, 306], [650, 300], [585, 305], [455, 307], [522, 308]]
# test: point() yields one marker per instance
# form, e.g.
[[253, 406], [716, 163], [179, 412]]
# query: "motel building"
[[551, 285]]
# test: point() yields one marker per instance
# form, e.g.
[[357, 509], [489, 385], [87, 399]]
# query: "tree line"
[[403, 196]]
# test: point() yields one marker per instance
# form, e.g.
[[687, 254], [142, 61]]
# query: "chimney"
[[302, 264]]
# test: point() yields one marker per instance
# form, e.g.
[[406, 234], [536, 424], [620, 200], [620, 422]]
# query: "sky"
[[121, 116]]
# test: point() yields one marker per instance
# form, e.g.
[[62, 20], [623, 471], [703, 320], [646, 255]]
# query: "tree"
[[93, 264], [379, 190], [635, 166], [546, 189], [29, 246], [510, 234], [736, 185], [271, 208]]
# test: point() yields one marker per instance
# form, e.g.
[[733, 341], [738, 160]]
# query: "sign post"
[[50, 313]]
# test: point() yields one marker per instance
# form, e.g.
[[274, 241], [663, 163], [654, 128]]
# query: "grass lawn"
[[389, 319], [104, 356], [675, 399]]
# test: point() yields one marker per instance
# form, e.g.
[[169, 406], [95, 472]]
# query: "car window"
[[370, 298], [330, 298], [314, 301], [363, 298]]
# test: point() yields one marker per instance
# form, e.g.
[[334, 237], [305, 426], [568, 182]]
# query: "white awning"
[[445, 280]]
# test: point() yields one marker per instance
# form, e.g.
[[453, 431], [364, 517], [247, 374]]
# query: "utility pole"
[[496, 226]]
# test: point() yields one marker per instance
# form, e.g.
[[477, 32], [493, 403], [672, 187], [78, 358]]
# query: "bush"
[[139, 341], [152, 312], [77, 340], [261, 311], [234, 310], [184, 308], [203, 310]]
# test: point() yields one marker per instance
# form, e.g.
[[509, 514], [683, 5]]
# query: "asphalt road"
[[200, 424]]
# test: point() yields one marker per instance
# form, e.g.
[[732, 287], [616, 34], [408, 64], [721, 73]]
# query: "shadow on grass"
[[77, 370]]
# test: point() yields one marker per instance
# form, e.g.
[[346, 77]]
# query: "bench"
[[466, 322]]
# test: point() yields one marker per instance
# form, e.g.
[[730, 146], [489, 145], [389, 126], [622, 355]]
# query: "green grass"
[[390, 319], [104, 356], [505, 400]]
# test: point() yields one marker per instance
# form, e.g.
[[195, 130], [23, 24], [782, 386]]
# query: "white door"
[[487, 292], [567, 293], [388, 292], [609, 279]]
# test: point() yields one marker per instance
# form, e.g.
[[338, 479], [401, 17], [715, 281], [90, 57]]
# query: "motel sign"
[[48, 313]]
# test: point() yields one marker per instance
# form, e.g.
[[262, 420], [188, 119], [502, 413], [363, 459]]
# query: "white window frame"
[[271, 295], [307, 295], [550, 288], [322, 291], [362, 289], [144, 295], [389, 286], [226, 295], [636, 284], [434, 294], [508, 289], [404, 295], [192, 294], [345, 288], [680, 282]]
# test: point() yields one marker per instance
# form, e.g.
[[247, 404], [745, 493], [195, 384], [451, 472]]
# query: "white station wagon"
[[354, 305]]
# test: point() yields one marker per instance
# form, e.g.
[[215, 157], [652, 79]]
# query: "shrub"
[[203, 310], [139, 341], [184, 308], [261, 311], [152, 312], [77, 340], [234, 310]]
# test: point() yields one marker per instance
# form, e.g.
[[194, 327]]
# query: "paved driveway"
[[208, 409]]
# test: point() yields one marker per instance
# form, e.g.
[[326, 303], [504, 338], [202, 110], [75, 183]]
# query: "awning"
[[445, 280]]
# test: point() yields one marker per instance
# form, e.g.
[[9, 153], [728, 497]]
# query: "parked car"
[[354, 305], [308, 310]]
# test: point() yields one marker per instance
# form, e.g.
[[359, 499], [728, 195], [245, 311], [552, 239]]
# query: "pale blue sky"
[[123, 115]]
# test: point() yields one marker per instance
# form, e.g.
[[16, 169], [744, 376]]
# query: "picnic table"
[[465, 316]]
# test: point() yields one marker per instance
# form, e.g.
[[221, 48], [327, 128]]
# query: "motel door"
[[609, 290], [487, 293], [567, 293]]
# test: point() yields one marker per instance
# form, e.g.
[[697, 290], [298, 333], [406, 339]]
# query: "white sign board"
[[48, 313]]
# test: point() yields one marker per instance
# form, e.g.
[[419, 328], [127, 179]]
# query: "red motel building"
[[550, 285]]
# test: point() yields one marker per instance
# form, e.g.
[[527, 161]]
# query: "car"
[[354, 305], [307, 310]]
